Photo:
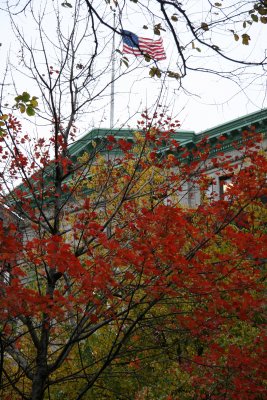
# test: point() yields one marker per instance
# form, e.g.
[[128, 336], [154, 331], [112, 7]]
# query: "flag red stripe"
[[154, 48]]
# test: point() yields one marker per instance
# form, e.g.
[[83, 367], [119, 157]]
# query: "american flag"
[[139, 46]]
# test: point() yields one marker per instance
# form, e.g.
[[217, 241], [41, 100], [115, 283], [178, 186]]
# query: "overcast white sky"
[[207, 100]]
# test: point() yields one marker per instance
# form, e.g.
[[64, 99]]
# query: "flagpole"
[[112, 86]]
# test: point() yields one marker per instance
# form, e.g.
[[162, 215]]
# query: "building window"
[[207, 189], [225, 183], [5, 275], [210, 190]]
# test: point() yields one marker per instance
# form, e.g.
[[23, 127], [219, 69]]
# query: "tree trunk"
[[41, 372], [38, 383]]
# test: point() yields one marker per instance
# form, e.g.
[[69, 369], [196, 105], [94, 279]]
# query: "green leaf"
[[244, 24], [147, 57], [30, 111], [174, 18], [263, 20], [25, 97], [66, 5], [254, 17], [218, 4], [145, 27]]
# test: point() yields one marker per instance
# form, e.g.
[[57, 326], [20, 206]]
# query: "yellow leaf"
[[34, 103], [236, 36], [245, 39], [22, 108]]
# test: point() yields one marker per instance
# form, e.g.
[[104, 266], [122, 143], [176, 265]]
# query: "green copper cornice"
[[231, 130]]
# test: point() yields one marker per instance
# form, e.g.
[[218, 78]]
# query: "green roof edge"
[[185, 137], [236, 124]]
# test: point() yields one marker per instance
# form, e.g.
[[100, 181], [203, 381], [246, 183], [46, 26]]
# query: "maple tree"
[[105, 272]]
